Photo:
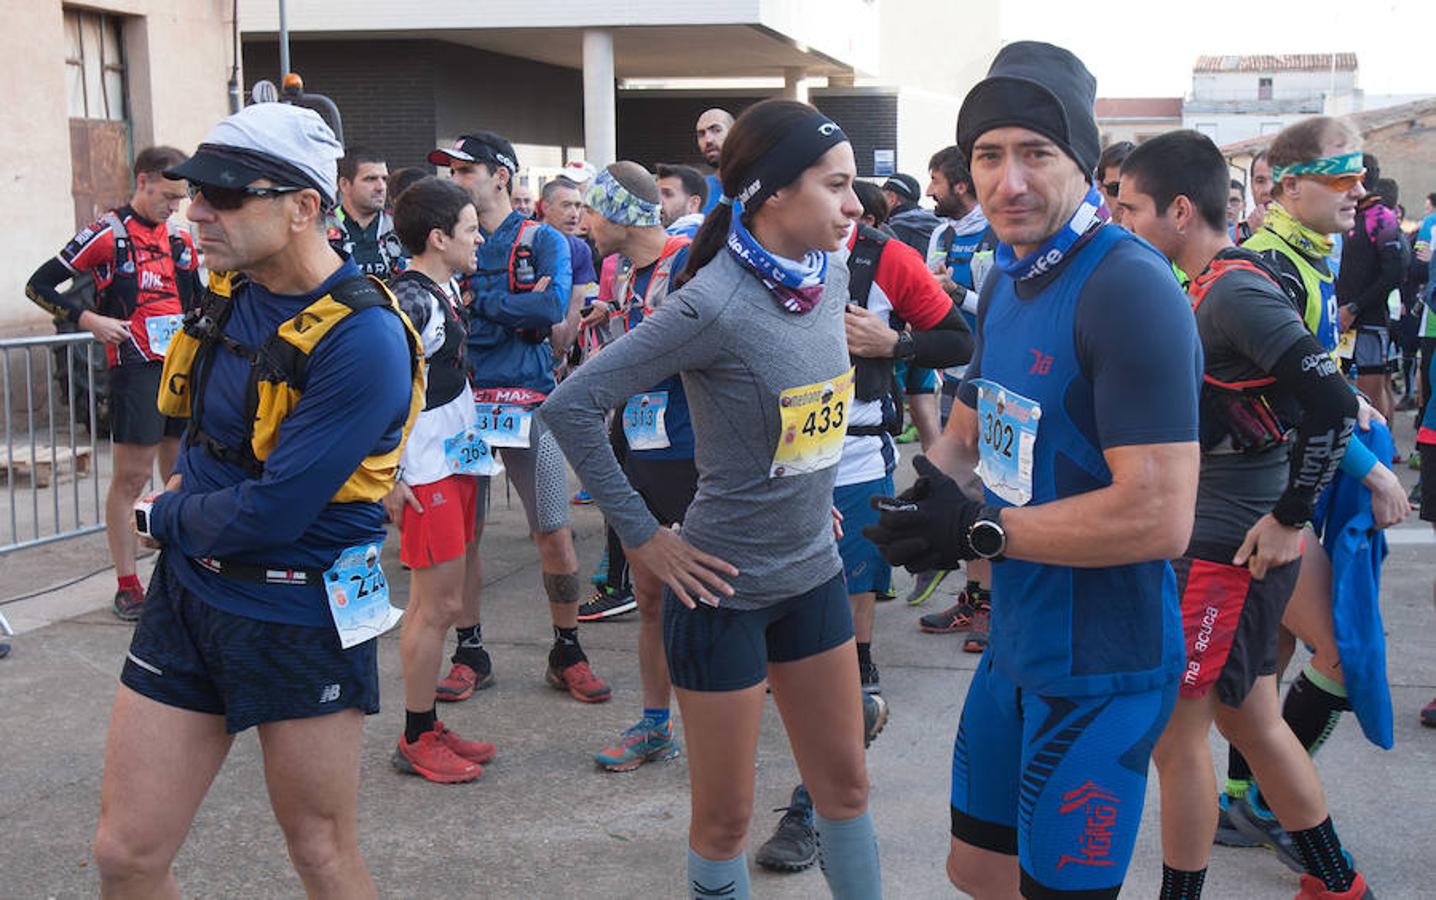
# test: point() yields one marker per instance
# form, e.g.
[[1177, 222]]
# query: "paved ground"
[[542, 822]]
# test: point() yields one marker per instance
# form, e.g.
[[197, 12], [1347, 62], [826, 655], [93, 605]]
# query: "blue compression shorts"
[[1058, 782]]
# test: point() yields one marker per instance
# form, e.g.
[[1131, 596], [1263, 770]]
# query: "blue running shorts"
[[863, 566], [1058, 782]]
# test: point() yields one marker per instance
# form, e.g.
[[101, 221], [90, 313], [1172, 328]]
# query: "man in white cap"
[[300, 378]]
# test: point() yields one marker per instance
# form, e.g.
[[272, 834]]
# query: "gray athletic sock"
[[725, 878], [848, 853]]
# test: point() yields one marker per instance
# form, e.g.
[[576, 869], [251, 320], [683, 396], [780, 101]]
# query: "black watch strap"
[[905, 348]]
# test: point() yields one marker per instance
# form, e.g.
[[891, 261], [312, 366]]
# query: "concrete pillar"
[[794, 88], [600, 112]]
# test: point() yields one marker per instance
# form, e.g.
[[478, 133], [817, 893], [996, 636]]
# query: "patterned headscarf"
[[610, 199]]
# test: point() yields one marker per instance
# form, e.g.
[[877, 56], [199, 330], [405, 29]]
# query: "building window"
[[1263, 88], [94, 66]]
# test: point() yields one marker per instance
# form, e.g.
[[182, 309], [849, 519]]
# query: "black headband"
[[782, 165]]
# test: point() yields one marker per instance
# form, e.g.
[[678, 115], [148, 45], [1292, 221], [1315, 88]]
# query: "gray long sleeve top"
[[737, 351]]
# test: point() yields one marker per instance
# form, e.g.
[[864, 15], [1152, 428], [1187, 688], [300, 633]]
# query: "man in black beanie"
[[1080, 409]]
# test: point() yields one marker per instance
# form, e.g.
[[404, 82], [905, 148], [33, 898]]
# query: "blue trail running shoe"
[[641, 743], [1250, 817]]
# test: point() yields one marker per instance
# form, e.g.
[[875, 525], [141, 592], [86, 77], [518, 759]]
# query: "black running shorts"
[[716, 649], [135, 416], [1230, 623], [667, 486], [188, 654]]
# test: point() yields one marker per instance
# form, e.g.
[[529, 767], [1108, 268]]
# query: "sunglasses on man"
[[226, 199], [1339, 183]]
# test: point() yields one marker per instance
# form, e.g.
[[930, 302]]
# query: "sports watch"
[[142, 513], [986, 536]]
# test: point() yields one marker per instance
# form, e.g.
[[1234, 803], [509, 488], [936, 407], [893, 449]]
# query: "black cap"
[[481, 146], [1039, 87], [904, 186]]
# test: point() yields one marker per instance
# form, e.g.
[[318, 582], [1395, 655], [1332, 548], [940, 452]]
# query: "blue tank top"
[[1058, 629]]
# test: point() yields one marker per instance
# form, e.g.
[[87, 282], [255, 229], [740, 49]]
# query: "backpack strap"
[[1228, 261], [521, 257], [662, 277], [863, 263], [123, 252]]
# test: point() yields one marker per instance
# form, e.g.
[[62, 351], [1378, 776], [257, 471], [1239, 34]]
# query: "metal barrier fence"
[[55, 423]]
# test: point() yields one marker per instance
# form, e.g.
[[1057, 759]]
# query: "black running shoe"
[[794, 845], [607, 603], [875, 716]]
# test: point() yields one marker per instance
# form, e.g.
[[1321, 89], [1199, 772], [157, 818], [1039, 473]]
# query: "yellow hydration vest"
[[277, 375], [1318, 306]]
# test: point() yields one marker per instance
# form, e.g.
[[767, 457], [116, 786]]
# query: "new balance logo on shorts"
[[1100, 807], [329, 694]]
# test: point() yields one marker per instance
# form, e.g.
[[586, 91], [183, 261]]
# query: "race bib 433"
[[814, 420]]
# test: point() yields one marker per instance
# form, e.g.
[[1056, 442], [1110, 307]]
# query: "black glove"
[[926, 527]]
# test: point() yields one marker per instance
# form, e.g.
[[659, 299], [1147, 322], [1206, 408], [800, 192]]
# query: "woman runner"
[[755, 589]]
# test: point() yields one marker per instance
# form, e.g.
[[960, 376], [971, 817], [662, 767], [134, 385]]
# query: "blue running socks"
[[725, 879], [659, 717], [848, 853]]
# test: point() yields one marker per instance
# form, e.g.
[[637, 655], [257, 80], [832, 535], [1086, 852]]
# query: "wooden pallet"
[[45, 465]]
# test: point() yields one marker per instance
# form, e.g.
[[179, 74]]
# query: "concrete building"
[[597, 80], [1238, 97], [1402, 137], [1137, 118], [88, 87]]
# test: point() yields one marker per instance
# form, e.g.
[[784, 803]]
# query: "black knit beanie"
[[1039, 87]]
